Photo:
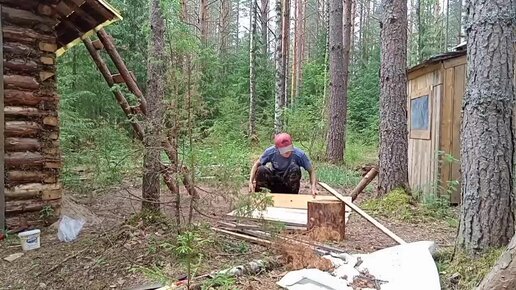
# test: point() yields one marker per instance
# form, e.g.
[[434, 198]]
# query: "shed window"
[[420, 114]]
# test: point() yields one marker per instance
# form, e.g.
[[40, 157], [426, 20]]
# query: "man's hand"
[[251, 187], [314, 191]]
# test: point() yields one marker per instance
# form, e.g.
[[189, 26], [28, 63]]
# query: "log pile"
[[32, 155]]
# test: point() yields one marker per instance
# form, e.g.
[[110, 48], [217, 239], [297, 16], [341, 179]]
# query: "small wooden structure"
[[435, 91], [33, 34]]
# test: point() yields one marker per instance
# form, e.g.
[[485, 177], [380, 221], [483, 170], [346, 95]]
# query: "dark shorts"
[[287, 181]]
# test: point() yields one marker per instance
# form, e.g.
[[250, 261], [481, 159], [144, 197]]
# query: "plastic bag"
[[69, 228]]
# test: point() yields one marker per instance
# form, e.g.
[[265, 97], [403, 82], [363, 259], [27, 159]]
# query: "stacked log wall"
[[32, 155]]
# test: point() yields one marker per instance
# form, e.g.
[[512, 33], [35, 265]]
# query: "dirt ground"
[[115, 251]]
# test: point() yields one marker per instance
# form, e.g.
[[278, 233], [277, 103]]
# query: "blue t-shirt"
[[281, 163]]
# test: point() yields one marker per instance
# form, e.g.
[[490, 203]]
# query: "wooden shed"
[[33, 34], [435, 91]]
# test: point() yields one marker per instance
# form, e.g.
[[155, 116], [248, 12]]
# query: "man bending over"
[[286, 161]]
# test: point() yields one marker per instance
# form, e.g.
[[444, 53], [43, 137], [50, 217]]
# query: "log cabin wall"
[[32, 155]]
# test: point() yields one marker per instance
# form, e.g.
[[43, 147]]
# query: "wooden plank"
[[458, 61], [458, 95], [445, 140], [437, 92], [297, 200], [2, 145], [243, 237], [363, 214]]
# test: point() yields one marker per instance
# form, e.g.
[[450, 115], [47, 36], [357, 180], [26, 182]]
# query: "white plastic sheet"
[[69, 228]]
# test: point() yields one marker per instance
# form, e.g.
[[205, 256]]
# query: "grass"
[[399, 205], [464, 272]]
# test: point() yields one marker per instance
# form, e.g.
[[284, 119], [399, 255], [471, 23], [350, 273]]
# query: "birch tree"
[[280, 73], [253, 15]]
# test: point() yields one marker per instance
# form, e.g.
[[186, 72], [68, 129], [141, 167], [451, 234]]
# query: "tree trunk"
[[487, 218], [252, 70], [280, 73], [339, 62], [393, 97], [203, 21], [264, 22], [419, 32], [286, 51], [503, 273], [154, 121]]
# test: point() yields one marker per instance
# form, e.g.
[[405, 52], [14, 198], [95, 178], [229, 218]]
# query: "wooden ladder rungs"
[[118, 79], [97, 44]]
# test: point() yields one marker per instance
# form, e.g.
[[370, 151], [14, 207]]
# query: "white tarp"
[[403, 267]]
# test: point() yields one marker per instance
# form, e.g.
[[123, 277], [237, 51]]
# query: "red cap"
[[283, 142]]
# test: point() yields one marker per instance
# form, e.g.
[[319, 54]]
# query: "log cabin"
[[434, 105], [34, 33]]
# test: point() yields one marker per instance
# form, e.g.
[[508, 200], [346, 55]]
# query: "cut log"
[[45, 10], [51, 121], [26, 35], [27, 5], [17, 206], [32, 187], [13, 195], [47, 46], [20, 50], [16, 144], [19, 176], [363, 183], [45, 75], [363, 213], [47, 60], [17, 98], [326, 220], [25, 18], [21, 129], [51, 194], [14, 111], [23, 159], [20, 65], [20, 82]]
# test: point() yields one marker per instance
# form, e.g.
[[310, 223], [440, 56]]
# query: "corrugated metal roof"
[[460, 50]]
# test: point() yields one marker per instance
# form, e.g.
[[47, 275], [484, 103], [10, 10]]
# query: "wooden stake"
[[363, 183], [363, 213]]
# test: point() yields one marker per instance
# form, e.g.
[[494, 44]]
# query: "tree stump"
[[326, 220]]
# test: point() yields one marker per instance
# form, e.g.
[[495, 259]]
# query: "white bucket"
[[30, 240]]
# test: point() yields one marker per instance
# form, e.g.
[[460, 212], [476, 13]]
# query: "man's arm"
[[313, 181], [252, 175]]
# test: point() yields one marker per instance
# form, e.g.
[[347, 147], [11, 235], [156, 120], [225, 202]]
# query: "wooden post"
[[363, 213], [2, 146], [326, 220], [363, 183]]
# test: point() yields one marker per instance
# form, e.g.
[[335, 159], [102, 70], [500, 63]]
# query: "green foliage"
[[399, 205], [190, 249], [337, 175], [463, 271], [253, 201]]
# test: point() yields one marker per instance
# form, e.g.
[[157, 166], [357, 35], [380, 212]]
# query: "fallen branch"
[[63, 261], [244, 237], [363, 214]]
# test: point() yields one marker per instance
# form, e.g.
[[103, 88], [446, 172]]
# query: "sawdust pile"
[[296, 257]]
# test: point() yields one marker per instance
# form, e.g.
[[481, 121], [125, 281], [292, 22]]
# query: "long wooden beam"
[[122, 68], [2, 145], [363, 213]]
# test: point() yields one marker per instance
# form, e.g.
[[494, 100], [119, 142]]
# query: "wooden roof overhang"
[[78, 19], [435, 62]]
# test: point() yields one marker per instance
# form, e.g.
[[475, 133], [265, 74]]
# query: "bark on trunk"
[[503, 274], [154, 122], [339, 61], [280, 73], [487, 218], [252, 70], [264, 22], [393, 97]]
